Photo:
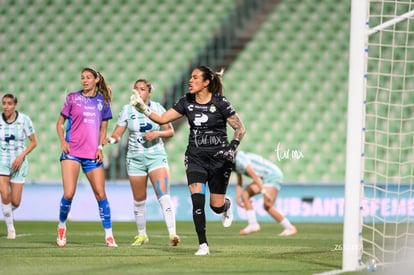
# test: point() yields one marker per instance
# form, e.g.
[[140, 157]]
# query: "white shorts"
[[142, 165], [18, 176], [274, 180]]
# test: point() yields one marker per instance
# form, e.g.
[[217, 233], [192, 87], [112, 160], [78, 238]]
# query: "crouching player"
[[266, 178]]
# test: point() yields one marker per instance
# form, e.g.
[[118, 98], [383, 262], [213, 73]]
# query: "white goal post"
[[379, 180]]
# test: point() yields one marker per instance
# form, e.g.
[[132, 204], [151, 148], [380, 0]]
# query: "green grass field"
[[313, 250]]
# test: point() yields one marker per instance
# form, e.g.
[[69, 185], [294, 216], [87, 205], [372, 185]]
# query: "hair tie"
[[220, 73]]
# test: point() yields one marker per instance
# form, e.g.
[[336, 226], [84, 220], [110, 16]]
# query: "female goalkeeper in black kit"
[[209, 155]]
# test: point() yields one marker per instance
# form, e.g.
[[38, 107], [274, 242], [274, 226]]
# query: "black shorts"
[[201, 166]]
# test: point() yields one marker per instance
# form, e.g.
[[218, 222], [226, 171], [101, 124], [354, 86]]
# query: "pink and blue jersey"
[[85, 116]]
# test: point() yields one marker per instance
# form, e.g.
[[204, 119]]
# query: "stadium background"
[[286, 73]]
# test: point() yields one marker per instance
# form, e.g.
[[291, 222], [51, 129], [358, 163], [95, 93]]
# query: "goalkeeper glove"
[[136, 101], [228, 153]]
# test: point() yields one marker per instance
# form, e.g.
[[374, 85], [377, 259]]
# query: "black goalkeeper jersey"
[[208, 122]]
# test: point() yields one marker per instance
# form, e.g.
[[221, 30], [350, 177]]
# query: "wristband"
[[234, 144], [100, 147]]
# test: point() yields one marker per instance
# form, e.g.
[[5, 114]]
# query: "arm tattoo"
[[236, 123]]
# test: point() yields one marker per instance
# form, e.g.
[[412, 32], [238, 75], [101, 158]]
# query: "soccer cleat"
[[110, 242], [202, 250], [288, 232], [11, 235], [140, 240], [61, 239], [251, 228], [227, 216], [174, 239]]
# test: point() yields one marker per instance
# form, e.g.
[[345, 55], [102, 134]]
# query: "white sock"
[[286, 223], [62, 225], [168, 212], [8, 216], [108, 232], [251, 216], [140, 217]]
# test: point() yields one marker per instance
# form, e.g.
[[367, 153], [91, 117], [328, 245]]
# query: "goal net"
[[388, 204], [386, 207]]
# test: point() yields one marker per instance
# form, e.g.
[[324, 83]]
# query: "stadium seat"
[[294, 70], [289, 83], [48, 44]]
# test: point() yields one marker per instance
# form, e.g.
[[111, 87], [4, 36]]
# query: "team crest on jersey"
[[200, 119], [212, 108], [100, 106]]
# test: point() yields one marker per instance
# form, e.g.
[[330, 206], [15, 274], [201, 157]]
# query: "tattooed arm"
[[236, 123], [229, 153]]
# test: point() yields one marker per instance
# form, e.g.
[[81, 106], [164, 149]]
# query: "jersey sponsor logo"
[[87, 114], [11, 137], [201, 108], [199, 119], [141, 139], [230, 108], [144, 127]]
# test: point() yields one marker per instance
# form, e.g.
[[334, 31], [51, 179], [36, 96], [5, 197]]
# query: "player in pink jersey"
[[86, 114]]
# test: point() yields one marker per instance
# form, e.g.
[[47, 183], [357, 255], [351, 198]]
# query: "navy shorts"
[[86, 164]]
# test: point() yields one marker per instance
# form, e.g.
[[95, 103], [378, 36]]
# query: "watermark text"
[[288, 153]]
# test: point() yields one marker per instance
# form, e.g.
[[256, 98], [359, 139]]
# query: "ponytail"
[[216, 84]]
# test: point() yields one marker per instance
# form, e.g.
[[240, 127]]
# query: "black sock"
[[199, 216], [223, 208]]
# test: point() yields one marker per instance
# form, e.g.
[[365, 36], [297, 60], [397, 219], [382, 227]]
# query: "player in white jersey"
[[146, 158], [15, 128], [266, 179]]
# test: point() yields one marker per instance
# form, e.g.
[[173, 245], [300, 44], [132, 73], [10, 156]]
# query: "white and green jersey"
[[138, 124], [264, 168], [13, 136]]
